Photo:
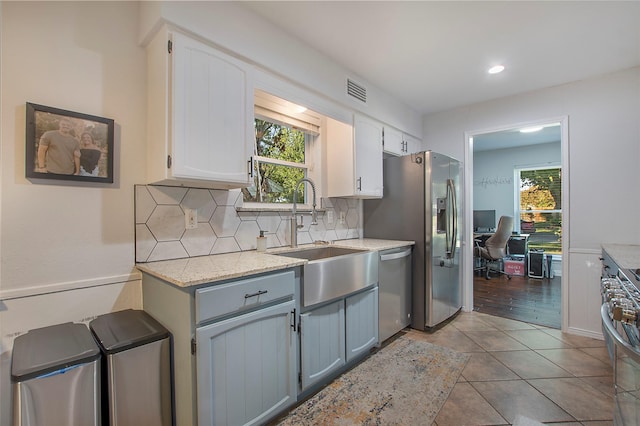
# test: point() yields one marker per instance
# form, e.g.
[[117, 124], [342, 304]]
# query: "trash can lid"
[[119, 331], [48, 349]]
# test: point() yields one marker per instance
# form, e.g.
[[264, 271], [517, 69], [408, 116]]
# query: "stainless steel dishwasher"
[[394, 287]]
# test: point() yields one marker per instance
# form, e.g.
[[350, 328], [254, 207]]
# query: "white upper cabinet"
[[200, 114], [398, 143], [354, 158], [368, 142], [393, 142], [411, 144]]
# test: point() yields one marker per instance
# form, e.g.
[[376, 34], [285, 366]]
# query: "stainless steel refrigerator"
[[421, 202]]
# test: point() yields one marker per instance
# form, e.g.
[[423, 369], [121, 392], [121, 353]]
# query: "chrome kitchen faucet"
[[294, 219]]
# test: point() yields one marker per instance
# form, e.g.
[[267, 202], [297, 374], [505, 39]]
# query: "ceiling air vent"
[[356, 90]]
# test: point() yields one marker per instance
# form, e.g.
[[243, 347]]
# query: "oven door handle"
[[609, 328]]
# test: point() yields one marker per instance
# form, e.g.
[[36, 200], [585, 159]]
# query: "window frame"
[[310, 142], [517, 192]]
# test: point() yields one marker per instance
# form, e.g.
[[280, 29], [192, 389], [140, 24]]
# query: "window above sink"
[[286, 148]]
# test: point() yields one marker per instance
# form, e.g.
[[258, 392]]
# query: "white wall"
[[231, 26], [84, 57], [493, 174], [603, 157], [67, 249]]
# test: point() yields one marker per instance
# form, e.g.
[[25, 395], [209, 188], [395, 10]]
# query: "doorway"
[[506, 173]]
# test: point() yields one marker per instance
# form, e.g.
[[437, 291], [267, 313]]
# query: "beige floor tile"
[[495, 341], [537, 339], [452, 339], [507, 324], [576, 362], [471, 322], [604, 384], [577, 398], [465, 406], [485, 392], [514, 397], [530, 365], [600, 353], [573, 340], [483, 367]]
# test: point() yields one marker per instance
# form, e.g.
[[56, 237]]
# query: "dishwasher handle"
[[397, 255]]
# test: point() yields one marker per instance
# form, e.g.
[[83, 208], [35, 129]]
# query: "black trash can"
[[55, 375], [137, 383]]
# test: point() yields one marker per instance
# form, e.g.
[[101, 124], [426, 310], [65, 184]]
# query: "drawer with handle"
[[238, 296]]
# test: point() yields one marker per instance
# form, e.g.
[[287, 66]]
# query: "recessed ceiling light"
[[496, 69]]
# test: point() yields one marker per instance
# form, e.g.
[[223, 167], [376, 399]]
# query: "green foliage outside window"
[[274, 183], [541, 208]]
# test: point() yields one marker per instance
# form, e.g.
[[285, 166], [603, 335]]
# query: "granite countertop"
[[625, 255], [207, 269]]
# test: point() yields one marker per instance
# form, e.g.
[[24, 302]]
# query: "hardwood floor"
[[536, 301]]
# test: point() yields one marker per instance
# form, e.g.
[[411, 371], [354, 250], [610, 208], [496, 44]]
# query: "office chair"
[[495, 248]]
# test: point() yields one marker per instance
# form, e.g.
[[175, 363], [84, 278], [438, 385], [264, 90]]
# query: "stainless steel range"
[[620, 312]]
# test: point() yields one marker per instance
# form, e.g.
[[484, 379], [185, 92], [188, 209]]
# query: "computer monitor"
[[484, 220]]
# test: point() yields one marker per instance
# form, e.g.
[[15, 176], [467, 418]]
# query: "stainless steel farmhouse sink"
[[333, 272], [317, 253]]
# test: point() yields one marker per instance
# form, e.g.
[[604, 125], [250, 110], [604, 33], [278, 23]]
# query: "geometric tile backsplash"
[[161, 232]]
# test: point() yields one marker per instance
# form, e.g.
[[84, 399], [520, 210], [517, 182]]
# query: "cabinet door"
[[393, 142], [322, 342], [368, 157], [362, 323], [339, 169], [411, 144], [212, 112], [246, 367]]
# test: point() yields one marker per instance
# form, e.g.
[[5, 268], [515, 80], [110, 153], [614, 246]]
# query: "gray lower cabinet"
[[246, 367], [237, 356], [335, 334], [322, 342], [235, 347], [361, 323]]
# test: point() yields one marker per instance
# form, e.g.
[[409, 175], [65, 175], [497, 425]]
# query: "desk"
[[518, 244]]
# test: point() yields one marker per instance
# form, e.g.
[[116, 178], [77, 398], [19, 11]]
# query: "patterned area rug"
[[404, 383]]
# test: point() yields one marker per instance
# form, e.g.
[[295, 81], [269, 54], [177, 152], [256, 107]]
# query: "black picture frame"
[[63, 144]]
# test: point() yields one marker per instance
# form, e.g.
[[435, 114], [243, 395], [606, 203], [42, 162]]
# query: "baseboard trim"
[[585, 333]]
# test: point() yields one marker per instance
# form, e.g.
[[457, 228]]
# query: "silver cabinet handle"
[[393, 256], [250, 162], [260, 292]]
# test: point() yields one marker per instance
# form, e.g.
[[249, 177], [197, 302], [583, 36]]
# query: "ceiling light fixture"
[[496, 69]]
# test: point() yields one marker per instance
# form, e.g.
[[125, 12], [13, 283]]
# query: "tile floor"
[[524, 369]]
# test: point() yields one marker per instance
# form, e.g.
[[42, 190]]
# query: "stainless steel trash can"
[[137, 371], [55, 375]]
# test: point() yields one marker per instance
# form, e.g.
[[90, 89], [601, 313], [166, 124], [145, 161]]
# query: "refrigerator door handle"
[[453, 219]]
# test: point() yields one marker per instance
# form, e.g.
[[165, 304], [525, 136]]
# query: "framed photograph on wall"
[[68, 145]]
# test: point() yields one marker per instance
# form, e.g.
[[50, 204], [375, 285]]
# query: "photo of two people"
[[68, 145]]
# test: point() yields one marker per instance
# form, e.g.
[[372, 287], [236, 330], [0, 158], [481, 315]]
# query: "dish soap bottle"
[[261, 242]]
